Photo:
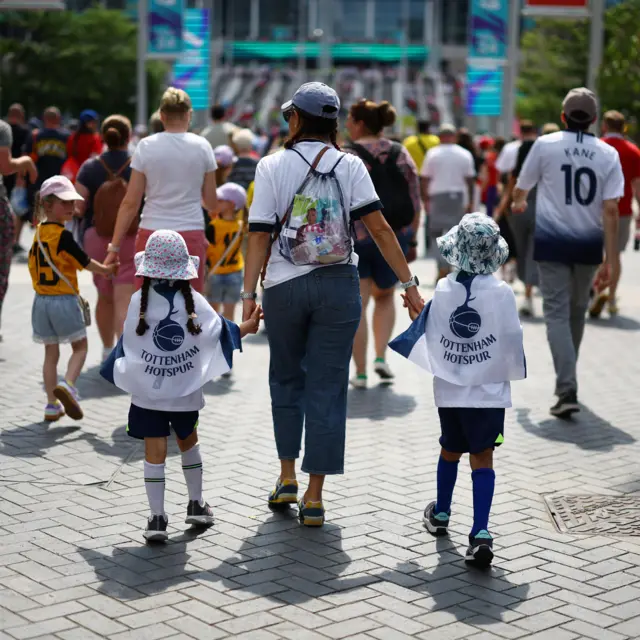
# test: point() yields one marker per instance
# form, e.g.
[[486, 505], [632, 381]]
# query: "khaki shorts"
[[624, 232]]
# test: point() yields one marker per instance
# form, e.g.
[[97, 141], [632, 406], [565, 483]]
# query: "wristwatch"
[[414, 282], [112, 248], [248, 295]]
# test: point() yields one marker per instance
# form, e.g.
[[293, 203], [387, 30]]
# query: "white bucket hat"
[[475, 245], [166, 257]]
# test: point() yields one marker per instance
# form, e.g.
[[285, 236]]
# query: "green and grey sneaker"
[[436, 524], [284, 494], [311, 513], [480, 551]]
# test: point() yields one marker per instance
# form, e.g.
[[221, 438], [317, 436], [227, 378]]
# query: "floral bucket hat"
[[475, 245], [166, 257]]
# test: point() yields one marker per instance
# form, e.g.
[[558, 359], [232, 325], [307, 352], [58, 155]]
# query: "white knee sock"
[[154, 484], [192, 469]]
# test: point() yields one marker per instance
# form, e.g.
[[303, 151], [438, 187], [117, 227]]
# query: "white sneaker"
[[358, 382], [384, 371], [526, 309]]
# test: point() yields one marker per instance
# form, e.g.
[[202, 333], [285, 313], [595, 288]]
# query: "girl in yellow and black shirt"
[[226, 263], [56, 316]]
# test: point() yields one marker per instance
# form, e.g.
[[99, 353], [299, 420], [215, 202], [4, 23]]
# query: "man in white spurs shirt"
[[579, 181]]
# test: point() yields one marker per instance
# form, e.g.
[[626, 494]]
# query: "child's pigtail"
[[39, 206], [193, 328], [144, 301]]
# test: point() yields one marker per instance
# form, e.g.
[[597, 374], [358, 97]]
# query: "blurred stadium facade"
[[410, 52]]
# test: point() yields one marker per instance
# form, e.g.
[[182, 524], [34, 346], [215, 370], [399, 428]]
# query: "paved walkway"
[[72, 504]]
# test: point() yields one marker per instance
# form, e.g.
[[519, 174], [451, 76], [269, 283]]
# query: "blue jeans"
[[311, 323]]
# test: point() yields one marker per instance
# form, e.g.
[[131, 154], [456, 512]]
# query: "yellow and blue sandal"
[[285, 493], [311, 513]]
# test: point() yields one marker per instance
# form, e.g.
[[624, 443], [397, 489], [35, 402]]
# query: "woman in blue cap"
[[311, 300]]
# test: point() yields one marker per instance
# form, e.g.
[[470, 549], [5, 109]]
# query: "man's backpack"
[[107, 201], [391, 185]]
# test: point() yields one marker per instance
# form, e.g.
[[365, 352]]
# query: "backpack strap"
[[365, 154], [123, 167], [276, 233], [111, 175], [394, 152]]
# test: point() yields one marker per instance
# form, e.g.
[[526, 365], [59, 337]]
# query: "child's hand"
[[253, 323], [413, 312], [112, 269]]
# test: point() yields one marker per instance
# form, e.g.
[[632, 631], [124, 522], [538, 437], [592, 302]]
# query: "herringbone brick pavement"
[[72, 505]]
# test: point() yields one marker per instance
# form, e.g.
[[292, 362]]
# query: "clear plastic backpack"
[[316, 228]]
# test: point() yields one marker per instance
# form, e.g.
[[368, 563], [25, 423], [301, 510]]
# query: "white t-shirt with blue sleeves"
[[575, 172], [278, 178]]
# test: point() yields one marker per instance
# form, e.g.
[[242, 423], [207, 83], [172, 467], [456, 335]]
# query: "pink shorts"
[[197, 245], [95, 247]]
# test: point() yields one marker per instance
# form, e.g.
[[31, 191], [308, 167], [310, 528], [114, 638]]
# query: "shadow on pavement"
[[33, 440], [378, 403], [276, 560], [586, 430], [91, 384], [616, 322]]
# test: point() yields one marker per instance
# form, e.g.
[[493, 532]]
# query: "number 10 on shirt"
[[573, 184]]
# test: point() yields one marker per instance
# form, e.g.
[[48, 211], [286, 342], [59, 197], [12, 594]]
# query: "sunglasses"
[[288, 113]]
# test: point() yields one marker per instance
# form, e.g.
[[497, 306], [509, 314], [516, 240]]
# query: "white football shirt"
[[575, 172]]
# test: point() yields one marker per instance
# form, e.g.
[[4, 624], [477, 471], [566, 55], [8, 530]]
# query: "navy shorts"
[[371, 263], [469, 430], [148, 423]]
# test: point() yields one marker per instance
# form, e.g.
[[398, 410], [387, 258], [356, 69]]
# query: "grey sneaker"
[[200, 515], [156, 530]]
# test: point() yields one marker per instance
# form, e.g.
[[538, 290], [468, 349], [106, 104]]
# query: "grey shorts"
[[445, 211], [225, 288], [624, 231], [57, 319]]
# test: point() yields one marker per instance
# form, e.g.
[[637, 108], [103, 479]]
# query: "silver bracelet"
[[112, 248]]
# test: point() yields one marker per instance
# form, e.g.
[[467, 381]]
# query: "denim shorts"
[[371, 262], [471, 430], [225, 288], [57, 319]]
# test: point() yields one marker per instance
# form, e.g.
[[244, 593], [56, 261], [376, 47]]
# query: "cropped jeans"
[[311, 323]]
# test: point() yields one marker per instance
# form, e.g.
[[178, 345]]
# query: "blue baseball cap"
[[89, 114], [316, 99]]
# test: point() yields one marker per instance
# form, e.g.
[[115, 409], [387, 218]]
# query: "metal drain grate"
[[602, 515]]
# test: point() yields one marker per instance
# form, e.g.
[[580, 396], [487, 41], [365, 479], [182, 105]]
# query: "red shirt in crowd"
[[630, 161], [82, 146]]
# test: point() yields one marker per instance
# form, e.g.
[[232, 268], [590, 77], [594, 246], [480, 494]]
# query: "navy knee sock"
[[484, 482], [447, 475]]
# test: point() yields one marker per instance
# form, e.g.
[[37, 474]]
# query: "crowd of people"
[[323, 221]]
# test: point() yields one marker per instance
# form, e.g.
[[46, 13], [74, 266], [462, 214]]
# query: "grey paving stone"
[[449, 632], [348, 628], [35, 630], [258, 575]]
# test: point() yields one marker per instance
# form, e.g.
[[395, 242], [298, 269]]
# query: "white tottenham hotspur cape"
[[167, 361], [468, 334]]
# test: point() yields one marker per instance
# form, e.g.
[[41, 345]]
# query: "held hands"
[[519, 206], [111, 269], [414, 311], [248, 307], [252, 324], [112, 258]]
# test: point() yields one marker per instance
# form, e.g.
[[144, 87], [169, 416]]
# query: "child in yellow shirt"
[[226, 263]]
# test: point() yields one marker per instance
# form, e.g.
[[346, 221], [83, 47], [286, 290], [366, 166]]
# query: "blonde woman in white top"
[[175, 171]]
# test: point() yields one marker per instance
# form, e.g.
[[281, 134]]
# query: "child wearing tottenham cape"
[[172, 344], [470, 338]]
